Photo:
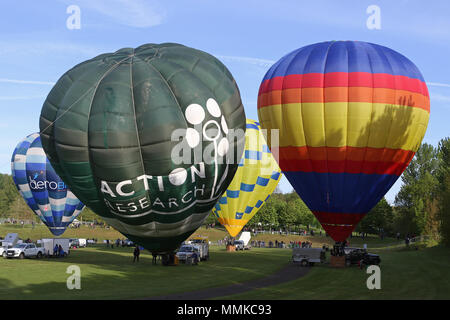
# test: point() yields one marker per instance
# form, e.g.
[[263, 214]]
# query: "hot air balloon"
[[44, 192], [351, 116], [255, 180], [144, 136]]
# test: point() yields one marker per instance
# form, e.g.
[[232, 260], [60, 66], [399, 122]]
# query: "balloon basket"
[[231, 248], [337, 261]]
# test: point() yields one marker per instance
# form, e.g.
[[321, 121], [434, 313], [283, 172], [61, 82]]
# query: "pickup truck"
[[25, 250], [186, 252], [3, 251]]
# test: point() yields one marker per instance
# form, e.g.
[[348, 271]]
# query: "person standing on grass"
[[136, 253]]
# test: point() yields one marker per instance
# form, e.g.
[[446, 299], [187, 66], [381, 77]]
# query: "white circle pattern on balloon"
[[213, 108], [178, 176], [194, 114]]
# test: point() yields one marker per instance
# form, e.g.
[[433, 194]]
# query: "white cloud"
[[4, 80], [40, 48], [22, 97], [136, 13], [437, 84], [256, 61]]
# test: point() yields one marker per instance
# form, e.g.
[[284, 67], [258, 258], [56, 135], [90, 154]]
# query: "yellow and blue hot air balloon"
[[256, 178]]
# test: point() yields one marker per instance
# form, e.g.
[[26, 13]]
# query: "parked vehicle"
[[49, 245], [245, 237], [239, 244], [202, 244], [308, 256], [186, 252], [25, 250], [77, 243], [3, 250], [358, 256]]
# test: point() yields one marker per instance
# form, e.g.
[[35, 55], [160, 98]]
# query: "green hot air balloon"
[[147, 138]]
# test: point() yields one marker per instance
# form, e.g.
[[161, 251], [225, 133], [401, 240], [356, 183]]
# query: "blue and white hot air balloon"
[[43, 190]]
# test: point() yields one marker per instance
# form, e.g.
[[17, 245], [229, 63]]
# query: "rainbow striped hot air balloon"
[[256, 178], [351, 116]]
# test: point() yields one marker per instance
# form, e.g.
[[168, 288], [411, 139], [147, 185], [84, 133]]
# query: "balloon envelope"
[[44, 192], [257, 176], [141, 137], [351, 116]]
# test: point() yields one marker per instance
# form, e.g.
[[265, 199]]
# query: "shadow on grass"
[[111, 274]]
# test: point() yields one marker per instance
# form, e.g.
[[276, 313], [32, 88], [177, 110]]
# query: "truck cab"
[[186, 252]]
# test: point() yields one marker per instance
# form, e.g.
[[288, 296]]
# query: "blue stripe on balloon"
[[275, 175], [262, 181], [232, 193], [340, 192], [327, 57], [247, 187], [259, 204], [251, 126], [251, 154]]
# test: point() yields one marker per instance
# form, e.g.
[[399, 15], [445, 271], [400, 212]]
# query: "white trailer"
[[308, 256], [245, 237], [49, 245]]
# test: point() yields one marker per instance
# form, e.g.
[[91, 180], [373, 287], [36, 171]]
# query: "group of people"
[[58, 251], [299, 244], [117, 242]]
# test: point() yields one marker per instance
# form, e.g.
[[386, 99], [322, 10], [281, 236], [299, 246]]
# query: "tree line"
[[421, 207]]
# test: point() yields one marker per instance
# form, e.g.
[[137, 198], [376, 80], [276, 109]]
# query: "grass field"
[[110, 273]]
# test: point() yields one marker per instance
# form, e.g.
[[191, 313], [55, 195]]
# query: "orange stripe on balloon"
[[344, 94]]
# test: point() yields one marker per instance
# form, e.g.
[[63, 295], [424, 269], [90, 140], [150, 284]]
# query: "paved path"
[[288, 273]]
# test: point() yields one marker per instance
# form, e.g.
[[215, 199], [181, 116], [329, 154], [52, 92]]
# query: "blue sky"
[[36, 47]]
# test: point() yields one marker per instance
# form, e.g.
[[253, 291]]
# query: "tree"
[[414, 200], [443, 197], [268, 215], [379, 218]]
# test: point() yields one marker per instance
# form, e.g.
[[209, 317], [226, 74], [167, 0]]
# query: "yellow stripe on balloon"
[[337, 124]]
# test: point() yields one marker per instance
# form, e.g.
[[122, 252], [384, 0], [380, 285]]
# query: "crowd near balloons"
[[154, 139]]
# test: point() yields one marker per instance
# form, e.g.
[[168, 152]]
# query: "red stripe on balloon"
[[338, 233], [338, 218], [344, 79], [344, 160], [346, 166], [338, 225]]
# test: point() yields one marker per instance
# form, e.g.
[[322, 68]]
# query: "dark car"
[[357, 255]]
